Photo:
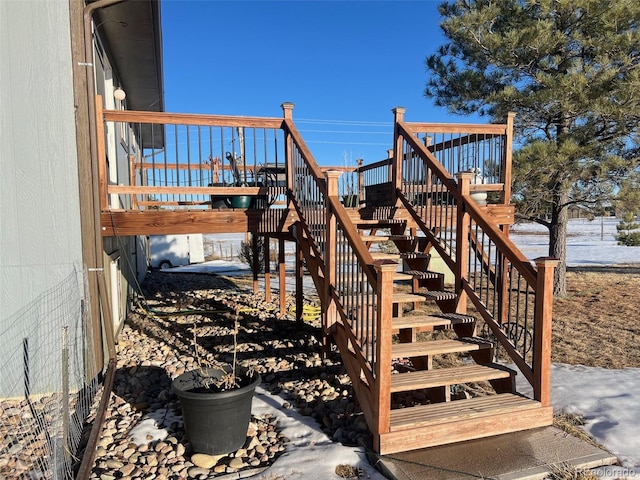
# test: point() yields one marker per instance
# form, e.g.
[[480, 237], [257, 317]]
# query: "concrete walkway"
[[514, 456]]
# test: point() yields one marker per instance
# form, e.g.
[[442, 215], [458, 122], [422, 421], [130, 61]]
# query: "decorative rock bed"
[[144, 436]]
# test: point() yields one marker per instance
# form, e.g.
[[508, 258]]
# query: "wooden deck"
[[420, 203], [171, 222]]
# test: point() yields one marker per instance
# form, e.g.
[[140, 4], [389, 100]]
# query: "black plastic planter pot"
[[216, 422]]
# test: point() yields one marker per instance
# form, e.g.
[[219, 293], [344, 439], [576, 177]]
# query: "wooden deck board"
[[447, 376], [438, 347], [439, 320], [493, 422], [459, 410], [407, 297]]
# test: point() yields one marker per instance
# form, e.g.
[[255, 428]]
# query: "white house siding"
[[40, 242]]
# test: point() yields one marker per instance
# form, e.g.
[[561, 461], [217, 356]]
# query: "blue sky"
[[345, 65]]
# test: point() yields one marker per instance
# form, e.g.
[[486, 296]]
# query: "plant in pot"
[[239, 180], [216, 402]]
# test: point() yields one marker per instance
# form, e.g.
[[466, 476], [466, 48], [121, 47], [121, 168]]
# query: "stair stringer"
[[359, 369]]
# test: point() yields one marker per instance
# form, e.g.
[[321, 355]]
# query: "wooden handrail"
[[374, 165], [333, 202], [458, 142], [291, 128], [503, 242], [489, 129], [135, 116], [226, 191], [358, 246], [445, 177]]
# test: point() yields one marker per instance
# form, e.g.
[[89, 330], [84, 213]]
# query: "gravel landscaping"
[[181, 314]]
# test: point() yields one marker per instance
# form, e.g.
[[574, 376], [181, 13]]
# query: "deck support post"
[[287, 113], [282, 277], [382, 368], [398, 114], [462, 241], [299, 282], [330, 315], [256, 262], [267, 269], [542, 331], [508, 155]]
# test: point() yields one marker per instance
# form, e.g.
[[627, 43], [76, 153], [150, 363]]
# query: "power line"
[[347, 131], [347, 143], [343, 122]]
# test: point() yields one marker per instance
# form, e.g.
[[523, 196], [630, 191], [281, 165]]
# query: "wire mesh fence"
[[45, 397]]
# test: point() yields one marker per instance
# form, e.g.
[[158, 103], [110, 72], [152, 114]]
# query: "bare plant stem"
[[235, 344]]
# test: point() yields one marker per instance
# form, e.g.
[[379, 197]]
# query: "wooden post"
[[462, 241], [132, 180], [398, 114], [282, 277], [299, 283], [390, 166], [287, 111], [384, 314], [102, 156], [330, 315], [542, 330], [506, 195], [256, 262], [360, 161], [267, 269]]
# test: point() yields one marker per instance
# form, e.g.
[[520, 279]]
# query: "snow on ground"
[[609, 400], [310, 453], [589, 242]]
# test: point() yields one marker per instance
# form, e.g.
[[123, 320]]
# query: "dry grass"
[[348, 471], [569, 472], [598, 323], [571, 424]]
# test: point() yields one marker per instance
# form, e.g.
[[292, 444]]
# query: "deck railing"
[[355, 306], [153, 160], [512, 296]]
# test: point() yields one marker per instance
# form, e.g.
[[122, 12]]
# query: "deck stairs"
[[422, 374], [445, 386], [437, 358]]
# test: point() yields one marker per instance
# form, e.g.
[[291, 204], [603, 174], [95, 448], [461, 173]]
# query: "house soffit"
[[131, 34]]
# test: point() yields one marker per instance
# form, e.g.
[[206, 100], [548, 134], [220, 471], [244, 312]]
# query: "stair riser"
[[445, 433]]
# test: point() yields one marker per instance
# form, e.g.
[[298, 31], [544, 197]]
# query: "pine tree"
[[628, 231], [570, 69], [627, 202]]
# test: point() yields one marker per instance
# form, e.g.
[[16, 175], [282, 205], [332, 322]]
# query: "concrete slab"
[[523, 455]]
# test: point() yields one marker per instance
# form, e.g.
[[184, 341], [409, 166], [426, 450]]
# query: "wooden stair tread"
[[422, 296], [438, 295], [401, 276], [438, 347], [374, 222], [438, 320], [397, 256], [385, 238], [403, 382], [407, 297], [460, 410], [424, 274]]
